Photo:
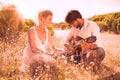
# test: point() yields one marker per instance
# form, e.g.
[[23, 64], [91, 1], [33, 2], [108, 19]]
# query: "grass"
[[10, 60]]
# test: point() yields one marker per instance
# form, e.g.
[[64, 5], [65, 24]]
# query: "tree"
[[9, 22], [27, 23]]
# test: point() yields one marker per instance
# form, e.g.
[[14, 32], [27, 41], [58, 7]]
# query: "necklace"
[[40, 29]]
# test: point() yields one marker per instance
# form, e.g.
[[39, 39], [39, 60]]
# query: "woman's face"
[[47, 21]]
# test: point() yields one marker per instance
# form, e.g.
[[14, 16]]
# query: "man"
[[83, 28]]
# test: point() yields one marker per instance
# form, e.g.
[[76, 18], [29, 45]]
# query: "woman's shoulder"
[[31, 29]]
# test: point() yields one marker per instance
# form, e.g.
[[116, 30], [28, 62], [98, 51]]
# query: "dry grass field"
[[10, 60]]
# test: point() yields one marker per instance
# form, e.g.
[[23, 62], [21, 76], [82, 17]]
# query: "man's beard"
[[79, 26]]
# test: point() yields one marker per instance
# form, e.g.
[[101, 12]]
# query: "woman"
[[38, 39]]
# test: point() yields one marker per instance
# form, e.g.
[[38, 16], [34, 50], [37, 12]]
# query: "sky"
[[88, 8]]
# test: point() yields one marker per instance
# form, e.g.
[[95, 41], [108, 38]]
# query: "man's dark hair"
[[72, 15]]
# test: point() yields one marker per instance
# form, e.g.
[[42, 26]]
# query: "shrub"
[[9, 26]]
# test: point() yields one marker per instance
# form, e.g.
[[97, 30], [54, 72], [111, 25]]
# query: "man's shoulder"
[[92, 22], [89, 23], [93, 25]]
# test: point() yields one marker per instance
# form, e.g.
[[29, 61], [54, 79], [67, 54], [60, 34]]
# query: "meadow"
[[11, 54]]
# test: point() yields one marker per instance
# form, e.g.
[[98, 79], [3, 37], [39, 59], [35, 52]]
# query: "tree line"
[[108, 22], [12, 24]]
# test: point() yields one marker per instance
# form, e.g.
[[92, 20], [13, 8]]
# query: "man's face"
[[76, 24]]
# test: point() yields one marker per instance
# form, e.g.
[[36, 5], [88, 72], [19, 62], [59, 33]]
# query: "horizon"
[[30, 9]]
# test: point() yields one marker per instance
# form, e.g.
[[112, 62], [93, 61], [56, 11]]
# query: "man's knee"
[[100, 53]]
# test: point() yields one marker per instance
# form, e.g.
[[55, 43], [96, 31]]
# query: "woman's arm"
[[51, 42], [56, 50]]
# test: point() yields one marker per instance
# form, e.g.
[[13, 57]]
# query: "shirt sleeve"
[[68, 36]]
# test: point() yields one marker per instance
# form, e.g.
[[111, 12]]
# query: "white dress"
[[29, 57]]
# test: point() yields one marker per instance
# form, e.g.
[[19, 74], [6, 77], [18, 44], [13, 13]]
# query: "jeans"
[[100, 54]]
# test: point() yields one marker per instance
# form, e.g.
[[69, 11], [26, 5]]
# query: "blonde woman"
[[38, 39]]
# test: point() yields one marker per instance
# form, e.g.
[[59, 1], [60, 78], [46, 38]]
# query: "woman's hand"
[[58, 52]]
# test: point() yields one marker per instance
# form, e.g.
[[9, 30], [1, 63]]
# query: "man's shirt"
[[89, 28]]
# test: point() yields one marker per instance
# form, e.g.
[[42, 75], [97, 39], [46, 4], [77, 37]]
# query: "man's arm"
[[67, 39]]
